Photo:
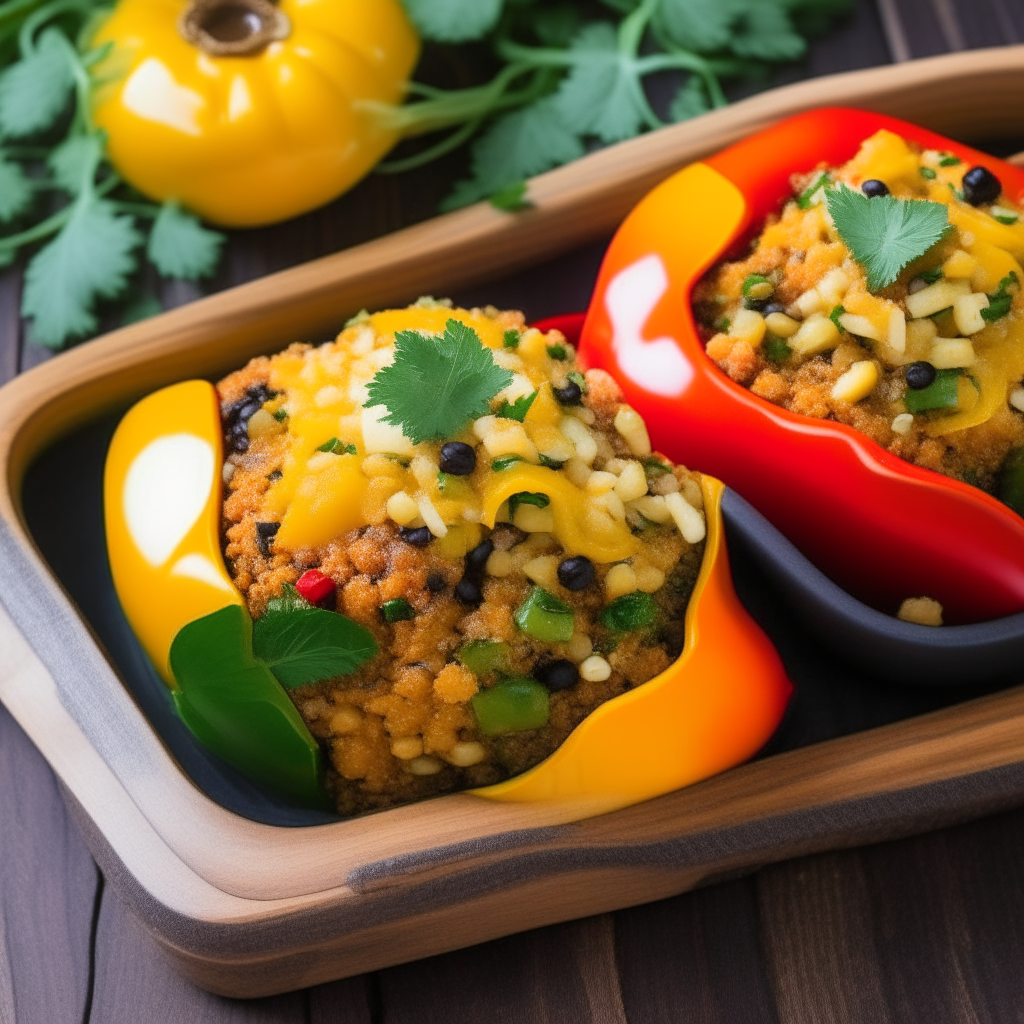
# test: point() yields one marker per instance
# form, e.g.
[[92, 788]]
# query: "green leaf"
[[16, 190], [180, 247], [518, 409], [453, 21], [289, 601], [310, 645], [885, 234], [505, 462], [764, 32], [837, 312], [436, 385], [511, 197], [142, 307], [236, 708], [556, 25], [74, 160], [91, 258], [516, 146], [602, 94], [630, 612], [35, 91], [690, 101], [538, 500], [336, 447], [701, 25]]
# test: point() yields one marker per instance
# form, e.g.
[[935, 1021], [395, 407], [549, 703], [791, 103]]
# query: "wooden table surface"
[[927, 929]]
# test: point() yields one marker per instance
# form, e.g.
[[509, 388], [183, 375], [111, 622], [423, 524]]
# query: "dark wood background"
[[928, 929]]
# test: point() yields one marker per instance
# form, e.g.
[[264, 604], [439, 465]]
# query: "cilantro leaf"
[[764, 32], [701, 25], [453, 21], [91, 258], [884, 234], [690, 101], [180, 247], [309, 645], [35, 91], [436, 385], [511, 197], [518, 409], [514, 147], [74, 160], [601, 95], [15, 190]]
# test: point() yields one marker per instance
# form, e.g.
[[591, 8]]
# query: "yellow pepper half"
[[248, 112]]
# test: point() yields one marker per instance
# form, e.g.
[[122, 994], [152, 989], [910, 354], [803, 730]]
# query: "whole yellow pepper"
[[248, 112]]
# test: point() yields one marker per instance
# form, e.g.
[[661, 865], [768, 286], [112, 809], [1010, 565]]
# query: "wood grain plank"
[[701, 951], [46, 896], [563, 974], [343, 1002], [135, 982]]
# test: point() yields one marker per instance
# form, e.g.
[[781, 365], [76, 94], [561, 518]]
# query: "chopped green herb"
[[722, 324], [557, 352], [931, 276], [280, 415], [884, 234], [1006, 218], [776, 350], [510, 339], [336, 447], [526, 498], [436, 385], [834, 316], [949, 161], [927, 172], [550, 463], [398, 610], [518, 409], [403, 460], [956, 191], [630, 612], [999, 302], [511, 197], [545, 617], [757, 286], [804, 199], [654, 467], [577, 378], [505, 462]]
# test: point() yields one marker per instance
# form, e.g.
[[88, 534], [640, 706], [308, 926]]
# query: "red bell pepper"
[[881, 527]]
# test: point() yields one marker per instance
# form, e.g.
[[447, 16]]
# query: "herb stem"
[[633, 27], [36, 20], [446, 145]]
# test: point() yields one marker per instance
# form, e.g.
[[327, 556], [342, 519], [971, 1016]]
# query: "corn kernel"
[[817, 334], [345, 721], [595, 669], [689, 521], [903, 423], [967, 313], [600, 483], [781, 326], [424, 765], [631, 426], [936, 296], [499, 564], [652, 507], [747, 325], [833, 286], [408, 747], [950, 353], [612, 503], [402, 509], [579, 647], [858, 382], [509, 438], [577, 471], [466, 753], [582, 439], [897, 334], [262, 424], [543, 570], [632, 482], [620, 580], [649, 579], [435, 524], [960, 264], [861, 326]]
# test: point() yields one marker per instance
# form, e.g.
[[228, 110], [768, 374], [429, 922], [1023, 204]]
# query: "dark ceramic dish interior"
[[854, 668]]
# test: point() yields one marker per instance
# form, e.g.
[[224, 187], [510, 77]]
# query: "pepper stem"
[[232, 28]]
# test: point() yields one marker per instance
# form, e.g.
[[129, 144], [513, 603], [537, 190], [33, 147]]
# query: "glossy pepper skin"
[[249, 140], [713, 708], [881, 527]]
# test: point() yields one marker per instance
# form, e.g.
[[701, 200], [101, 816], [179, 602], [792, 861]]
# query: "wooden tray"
[[249, 908]]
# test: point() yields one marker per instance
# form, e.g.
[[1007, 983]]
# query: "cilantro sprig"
[[885, 234], [65, 209], [436, 385]]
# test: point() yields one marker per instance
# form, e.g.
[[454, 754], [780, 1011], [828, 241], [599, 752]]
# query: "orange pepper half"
[[883, 528]]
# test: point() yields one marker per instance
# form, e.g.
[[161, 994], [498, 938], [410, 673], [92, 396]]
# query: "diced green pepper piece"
[[630, 612], [545, 617], [654, 467], [483, 656], [511, 706], [942, 393], [949, 161], [1011, 480], [927, 172], [398, 610], [776, 350], [804, 199]]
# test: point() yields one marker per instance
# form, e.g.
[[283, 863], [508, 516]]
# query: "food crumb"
[[925, 611]]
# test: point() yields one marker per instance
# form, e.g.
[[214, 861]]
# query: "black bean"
[[981, 186], [418, 537], [468, 591], [476, 560], [435, 582], [457, 458], [238, 438], [261, 393], [556, 675], [873, 188], [920, 375], [265, 534], [576, 573], [571, 394], [773, 307], [274, 475]]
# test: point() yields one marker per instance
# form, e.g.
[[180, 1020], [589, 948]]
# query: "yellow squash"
[[249, 112]]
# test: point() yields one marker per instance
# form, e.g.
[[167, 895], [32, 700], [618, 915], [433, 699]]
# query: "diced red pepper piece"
[[314, 586]]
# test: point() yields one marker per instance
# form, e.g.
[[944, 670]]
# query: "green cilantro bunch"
[[61, 203], [573, 75]]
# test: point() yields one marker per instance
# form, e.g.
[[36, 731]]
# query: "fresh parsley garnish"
[[999, 302], [436, 385], [518, 409], [885, 234], [557, 352], [336, 447]]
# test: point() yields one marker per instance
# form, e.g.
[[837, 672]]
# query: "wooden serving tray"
[[248, 908]]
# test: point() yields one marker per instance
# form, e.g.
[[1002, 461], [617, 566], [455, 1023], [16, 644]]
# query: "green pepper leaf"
[[310, 645], [235, 707]]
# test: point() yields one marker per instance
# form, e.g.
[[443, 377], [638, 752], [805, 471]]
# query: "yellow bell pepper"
[[248, 112]]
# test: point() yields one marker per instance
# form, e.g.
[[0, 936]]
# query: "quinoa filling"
[[515, 573]]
